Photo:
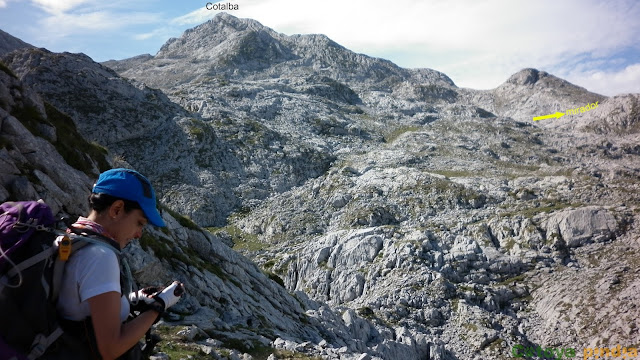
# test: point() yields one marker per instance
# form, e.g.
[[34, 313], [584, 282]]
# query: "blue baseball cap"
[[130, 185]]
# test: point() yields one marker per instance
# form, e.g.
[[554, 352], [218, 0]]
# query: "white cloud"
[[144, 36], [65, 24], [68, 18], [58, 6], [162, 34], [3, 3], [609, 83], [193, 18]]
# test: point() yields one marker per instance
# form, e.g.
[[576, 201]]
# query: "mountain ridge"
[[231, 307], [271, 45], [300, 54], [9, 43]]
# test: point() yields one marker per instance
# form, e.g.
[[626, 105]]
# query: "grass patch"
[[455, 173], [495, 345], [393, 135], [469, 326], [76, 151], [196, 132], [4, 68], [6, 144], [262, 352], [545, 206], [159, 246], [164, 249], [30, 117], [510, 244], [512, 169], [292, 355], [454, 304], [366, 312], [172, 345], [71, 145], [518, 278], [275, 278], [241, 240], [465, 288], [182, 219], [182, 350]]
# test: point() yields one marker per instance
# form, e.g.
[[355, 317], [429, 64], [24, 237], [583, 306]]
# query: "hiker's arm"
[[113, 337]]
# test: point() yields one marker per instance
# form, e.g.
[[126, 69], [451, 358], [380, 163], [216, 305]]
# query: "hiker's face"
[[125, 226], [130, 226]]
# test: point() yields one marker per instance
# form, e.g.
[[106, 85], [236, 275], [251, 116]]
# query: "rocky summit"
[[327, 204]]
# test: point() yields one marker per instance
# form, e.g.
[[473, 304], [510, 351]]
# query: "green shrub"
[[69, 143], [182, 219], [275, 278], [393, 135], [4, 68], [72, 146]]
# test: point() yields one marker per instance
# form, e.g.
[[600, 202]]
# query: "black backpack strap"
[[58, 268], [96, 235], [41, 343], [18, 268], [77, 243]]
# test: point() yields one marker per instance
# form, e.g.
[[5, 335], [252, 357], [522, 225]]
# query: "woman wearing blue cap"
[[122, 203]]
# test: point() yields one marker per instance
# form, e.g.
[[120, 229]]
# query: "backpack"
[[31, 269]]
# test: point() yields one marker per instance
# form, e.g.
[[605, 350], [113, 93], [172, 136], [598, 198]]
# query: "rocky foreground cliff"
[[381, 212]]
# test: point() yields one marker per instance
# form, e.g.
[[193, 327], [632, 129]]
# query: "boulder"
[[581, 226]]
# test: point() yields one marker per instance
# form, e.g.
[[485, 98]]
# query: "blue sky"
[[478, 43]]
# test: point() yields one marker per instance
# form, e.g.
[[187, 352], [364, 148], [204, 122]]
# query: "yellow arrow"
[[556, 115]]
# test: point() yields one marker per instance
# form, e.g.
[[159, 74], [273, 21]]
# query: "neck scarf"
[[85, 223]]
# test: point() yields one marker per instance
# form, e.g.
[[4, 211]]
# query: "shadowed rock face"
[[407, 215]]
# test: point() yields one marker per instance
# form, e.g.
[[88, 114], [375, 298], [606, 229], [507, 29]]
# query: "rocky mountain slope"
[[232, 307], [202, 161], [410, 218]]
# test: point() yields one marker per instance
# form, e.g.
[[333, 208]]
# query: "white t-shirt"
[[91, 271]]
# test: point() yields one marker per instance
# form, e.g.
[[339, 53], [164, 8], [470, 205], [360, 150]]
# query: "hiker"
[[91, 300]]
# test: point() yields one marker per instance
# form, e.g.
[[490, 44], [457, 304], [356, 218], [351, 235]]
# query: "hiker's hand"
[[170, 295], [152, 290], [145, 295]]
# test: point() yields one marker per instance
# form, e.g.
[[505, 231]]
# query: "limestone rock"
[[580, 226]]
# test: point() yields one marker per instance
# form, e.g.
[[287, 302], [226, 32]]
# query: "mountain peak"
[[527, 76], [225, 19], [534, 78], [225, 23], [8, 43], [531, 92], [210, 34]]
